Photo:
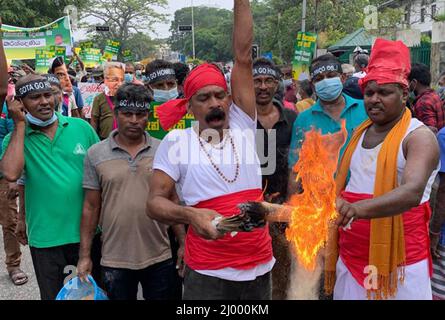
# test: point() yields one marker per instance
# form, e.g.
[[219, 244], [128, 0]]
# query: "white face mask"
[[299, 98], [165, 95]]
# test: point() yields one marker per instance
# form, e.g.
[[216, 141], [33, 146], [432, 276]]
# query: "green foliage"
[[127, 19], [276, 22], [35, 13], [213, 33]]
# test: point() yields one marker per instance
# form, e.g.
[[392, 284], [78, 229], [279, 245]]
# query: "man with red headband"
[[384, 185], [216, 168]]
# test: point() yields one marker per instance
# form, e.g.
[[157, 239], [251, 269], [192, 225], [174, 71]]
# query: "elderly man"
[[49, 150], [384, 183], [216, 169], [102, 115]]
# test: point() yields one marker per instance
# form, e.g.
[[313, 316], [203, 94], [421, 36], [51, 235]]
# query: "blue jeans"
[[157, 282]]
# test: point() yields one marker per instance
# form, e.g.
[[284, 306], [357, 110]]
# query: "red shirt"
[[428, 108]]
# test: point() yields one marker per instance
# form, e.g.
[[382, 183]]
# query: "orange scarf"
[[387, 241]]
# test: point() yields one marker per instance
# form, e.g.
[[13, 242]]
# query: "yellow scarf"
[[387, 241]]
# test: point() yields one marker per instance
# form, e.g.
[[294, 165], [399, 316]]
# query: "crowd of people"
[[133, 195]]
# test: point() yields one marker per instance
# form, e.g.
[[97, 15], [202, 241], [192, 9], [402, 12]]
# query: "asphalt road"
[[8, 291]]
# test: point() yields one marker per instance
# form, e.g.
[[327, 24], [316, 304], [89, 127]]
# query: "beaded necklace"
[[218, 170]]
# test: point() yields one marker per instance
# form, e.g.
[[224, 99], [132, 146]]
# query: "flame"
[[315, 207]]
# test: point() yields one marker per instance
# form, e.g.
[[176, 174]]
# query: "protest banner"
[[43, 57], [90, 57], [128, 56], [89, 91], [112, 50], [21, 43], [305, 48], [154, 127]]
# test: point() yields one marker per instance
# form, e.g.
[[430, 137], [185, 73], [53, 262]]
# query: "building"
[[419, 14]]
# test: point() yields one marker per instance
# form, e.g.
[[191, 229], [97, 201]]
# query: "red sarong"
[[354, 243], [244, 251]]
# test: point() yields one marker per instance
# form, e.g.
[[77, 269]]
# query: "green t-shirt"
[[154, 128], [53, 190]]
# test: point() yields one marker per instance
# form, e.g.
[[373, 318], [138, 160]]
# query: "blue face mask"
[[128, 78], [329, 89], [37, 122], [165, 95]]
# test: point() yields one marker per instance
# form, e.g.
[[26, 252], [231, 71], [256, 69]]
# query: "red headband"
[[171, 112], [390, 62]]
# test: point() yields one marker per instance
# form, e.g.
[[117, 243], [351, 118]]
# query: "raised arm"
[[3, 71], [422, 157], [162, 209], [242, 79]]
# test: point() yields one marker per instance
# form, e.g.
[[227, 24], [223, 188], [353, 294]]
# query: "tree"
[[35, 13], [124, 17], [213, 33]]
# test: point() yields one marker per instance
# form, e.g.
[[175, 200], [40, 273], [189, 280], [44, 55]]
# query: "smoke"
[[304, 284]]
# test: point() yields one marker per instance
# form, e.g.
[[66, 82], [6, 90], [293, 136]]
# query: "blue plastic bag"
[[78, 290]]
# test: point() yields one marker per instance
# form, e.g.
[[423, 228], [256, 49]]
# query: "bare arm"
[[88, 226], [90, 221], [161, 208], [242, 78], [13, 160], [82, 66], [439, 213], [3, 72], [422, 157]]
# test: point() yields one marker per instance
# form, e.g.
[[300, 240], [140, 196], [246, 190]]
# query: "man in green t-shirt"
[[49, 149]]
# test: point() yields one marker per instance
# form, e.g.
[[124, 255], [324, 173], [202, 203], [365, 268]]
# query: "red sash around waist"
[[243, 251], [354, 243]]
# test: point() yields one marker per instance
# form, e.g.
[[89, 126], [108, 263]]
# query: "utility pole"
[[303, 19], [193, 32], [279, 37]]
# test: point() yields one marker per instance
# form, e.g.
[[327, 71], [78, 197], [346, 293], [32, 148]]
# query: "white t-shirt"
[[364, 166], [180, 156]]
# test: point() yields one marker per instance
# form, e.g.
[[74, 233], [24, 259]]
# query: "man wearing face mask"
[[326, 114], [53, 226], [102, 115], [163, 83], [427, 106], [130, 74]]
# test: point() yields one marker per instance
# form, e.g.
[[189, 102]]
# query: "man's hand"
[[201, 222], [180, 265], [84, 269], [434, 242], [346, 212], [13, 191], [27, 69], [20, 232], [16, 110]]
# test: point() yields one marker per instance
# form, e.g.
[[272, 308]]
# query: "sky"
[[162, 30]]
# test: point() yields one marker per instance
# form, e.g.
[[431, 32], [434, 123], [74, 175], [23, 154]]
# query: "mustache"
[[216, 114]]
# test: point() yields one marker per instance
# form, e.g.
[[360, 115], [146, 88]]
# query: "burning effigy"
[[308, 214]]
